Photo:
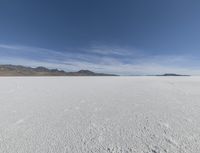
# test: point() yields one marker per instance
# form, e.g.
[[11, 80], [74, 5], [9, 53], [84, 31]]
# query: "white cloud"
[[133, 64]]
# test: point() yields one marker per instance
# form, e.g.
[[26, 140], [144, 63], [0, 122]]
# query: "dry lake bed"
[[99, 114]]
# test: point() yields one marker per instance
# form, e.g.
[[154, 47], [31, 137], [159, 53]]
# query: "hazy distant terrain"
[[100, 115], [17, 70], [172, 74]]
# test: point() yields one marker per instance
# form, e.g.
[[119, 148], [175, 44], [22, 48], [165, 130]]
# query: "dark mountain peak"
[[172, 74], [41, 68], [86, 72], [17, 70]]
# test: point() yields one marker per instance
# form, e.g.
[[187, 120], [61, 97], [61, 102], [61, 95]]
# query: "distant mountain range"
[[172, 74], [17, 70]]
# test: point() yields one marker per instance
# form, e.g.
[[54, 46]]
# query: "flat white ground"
[[100, 115]]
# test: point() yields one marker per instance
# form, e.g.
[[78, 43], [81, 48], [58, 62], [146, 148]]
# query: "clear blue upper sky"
[[115, 36]]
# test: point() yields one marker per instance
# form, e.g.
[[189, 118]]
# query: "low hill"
[[172, 74], [18, 70]]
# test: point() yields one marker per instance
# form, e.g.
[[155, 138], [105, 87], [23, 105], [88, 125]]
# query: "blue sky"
[[113, 36]]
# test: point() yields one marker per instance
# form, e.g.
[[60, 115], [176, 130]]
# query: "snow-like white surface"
[[100, 115]]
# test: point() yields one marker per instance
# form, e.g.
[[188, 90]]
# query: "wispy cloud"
[[124, 61], [107, 50]]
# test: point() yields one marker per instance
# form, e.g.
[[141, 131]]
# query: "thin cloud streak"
[[129, 63]]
